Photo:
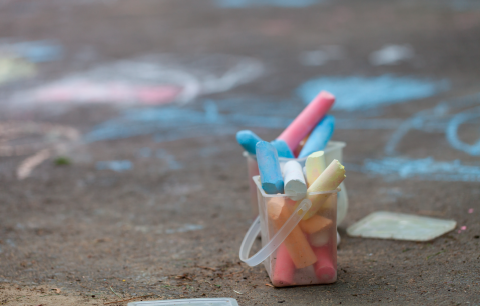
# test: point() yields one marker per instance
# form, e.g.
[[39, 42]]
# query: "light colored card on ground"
[[390, 225]]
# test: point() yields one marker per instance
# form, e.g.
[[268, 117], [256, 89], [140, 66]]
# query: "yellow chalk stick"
[[330, 179], [315, 165]]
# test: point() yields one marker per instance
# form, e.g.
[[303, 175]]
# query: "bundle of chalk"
[[313, 241], [308, 133], [308, 254]]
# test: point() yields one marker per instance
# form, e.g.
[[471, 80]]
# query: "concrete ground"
[[168, 220]]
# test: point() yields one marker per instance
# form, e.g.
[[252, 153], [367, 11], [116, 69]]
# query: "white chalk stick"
[[295, 186]]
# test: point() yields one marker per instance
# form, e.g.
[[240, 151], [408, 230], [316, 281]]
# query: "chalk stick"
[[333, 175], [282, 148], [315, 165], [307, 119], [269, 167], [315, 224], [296, 243], [284, 268], [319, 137], [248, 140], [326, 266], [295, 185]]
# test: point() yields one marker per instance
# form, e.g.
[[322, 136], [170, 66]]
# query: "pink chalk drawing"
[[147, 80], [90, 92], [470, 211]]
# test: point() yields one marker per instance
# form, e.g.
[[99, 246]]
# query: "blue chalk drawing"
[[174, 123], [115, 165], [278, 3], [446, 118], [357, 93], [223, 117], [211, 112], [452, 132], [422, 169], [38, 51]]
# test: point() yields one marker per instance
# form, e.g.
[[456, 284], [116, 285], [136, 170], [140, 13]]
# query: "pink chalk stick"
[[326, 265], [284, 268], [307, 119]]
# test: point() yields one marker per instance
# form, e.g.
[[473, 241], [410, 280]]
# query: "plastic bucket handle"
[[276, 241]]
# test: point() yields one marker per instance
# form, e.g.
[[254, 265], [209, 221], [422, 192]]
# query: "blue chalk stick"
[[282, 148], [248, 140], [319, 137], [270, 172]]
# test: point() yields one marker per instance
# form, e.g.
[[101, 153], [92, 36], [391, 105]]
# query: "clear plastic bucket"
[[294, 251], [334, 150]]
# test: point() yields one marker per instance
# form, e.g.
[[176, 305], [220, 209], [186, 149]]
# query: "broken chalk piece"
[[295, 186], [307, 119], [284, 268], [282, 149], [314, 166], [325, 267], [390, 225], [329, 180], [248, 140], [315, 224], [319, 137], [269, 166]]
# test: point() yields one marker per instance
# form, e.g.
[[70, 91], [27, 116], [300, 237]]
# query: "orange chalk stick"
[[296, 243], [315, 224]]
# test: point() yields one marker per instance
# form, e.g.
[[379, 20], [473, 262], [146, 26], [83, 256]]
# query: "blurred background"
[[119, 167]]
